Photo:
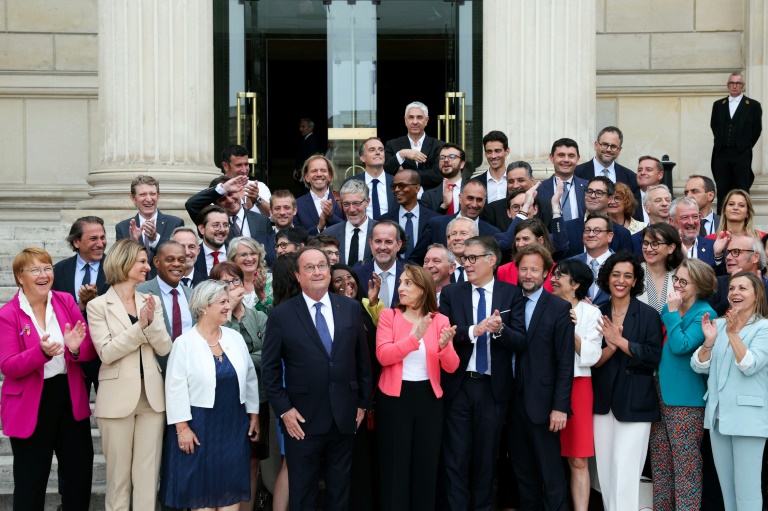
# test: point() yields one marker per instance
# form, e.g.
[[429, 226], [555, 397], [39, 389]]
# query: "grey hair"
[[448, 254], [417, 104], [204, 294], [310, 122], [681, 201], [759, 249], [250, 243], [355, 186], [520, 164], [646, 199], [183, 228], [489, 244], [612, 129], [475, 230]]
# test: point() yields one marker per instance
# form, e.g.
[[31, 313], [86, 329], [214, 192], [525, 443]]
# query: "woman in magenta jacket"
[[413, 342], [44, 404]]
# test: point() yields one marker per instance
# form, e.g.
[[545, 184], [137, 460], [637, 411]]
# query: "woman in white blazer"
[[735, 356], [571, 281], [212, 406]]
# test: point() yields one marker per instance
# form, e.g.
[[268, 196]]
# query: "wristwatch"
[[259, 200]]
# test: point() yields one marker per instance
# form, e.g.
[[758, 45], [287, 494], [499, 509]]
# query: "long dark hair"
[[284, 283], [359, 296]]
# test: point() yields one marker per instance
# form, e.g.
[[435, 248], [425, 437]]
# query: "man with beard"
[[213, 228], [685, 217], [379, 184], [412, 217], [444, 199], [385, 242], [607, 150], [317, 210]]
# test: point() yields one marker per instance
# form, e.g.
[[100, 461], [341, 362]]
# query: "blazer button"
[[627, 371], [330, 364]]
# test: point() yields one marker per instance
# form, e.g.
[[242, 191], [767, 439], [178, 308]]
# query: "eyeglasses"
[[597, 193], [681, 282], [736, 252], [35, 271], [471, 258], [595, 231], [282, 245], [616, 198], [605, 145], [556, 275], [735, 84], [310, 268], [243, 255], [219, 225], [355, 204], [451, 157], [236, 282], [515, 207], [332, 253], [401, 186], [653, 244]]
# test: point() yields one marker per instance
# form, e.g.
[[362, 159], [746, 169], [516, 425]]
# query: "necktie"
[[375, 199], [451, 209], [607, 173], [176, 323], [409, 233], [384, 291], [565, 205], [215, 256], [87, 275], [186, 281], [354, 248], [322, 328], [703, 227], [234, 227], [147, 245], [481, 359], [595, 270], [461, 274]]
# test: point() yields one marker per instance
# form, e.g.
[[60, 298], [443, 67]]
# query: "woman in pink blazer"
[[44, 405], [413, 343]]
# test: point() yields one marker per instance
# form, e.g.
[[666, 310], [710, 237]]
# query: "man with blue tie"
[[409, 214], [489, 315], [458, 231], [317, 374], [379, 184], [564, 157], [684, 216]]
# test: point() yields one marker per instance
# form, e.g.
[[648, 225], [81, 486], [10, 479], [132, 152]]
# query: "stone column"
[[155, 100], [539, 75], [756, 71]]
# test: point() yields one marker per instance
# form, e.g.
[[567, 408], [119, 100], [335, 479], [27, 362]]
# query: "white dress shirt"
[[349, 231], [242, 223], [152, 244], [381, 189], [56, 365], [209, 257], [709, 226], [318, 201], [488, 309], [733, 103], [414, 145], [190, 378], [167, 298], [496, 190], [693, 252], [599, 170], [326, 310]]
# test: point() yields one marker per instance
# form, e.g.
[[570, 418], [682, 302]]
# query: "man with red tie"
[[445, 199]]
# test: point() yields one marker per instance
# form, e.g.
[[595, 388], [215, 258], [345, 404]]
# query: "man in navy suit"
[[411, 216], [564, 157], [598, 233], [255, 195], [543, 385], [489, 315], [650, 172], [317, 209], [379, 184], [316, 371], [353, 233], [519, 178], [187, 236], [736, 125], [213, 228], [496, 148], [684, 216], [444, 199], [702, 190], [415, 151], [744, 253], [385, 242], [607, 150]]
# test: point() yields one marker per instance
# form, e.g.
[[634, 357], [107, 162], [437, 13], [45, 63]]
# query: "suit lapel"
[[541, 305], [338, 318], [467, 292], [117, 309], [161, 221]]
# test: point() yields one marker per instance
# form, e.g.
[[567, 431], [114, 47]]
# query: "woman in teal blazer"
[[676, 439], [735, 356]]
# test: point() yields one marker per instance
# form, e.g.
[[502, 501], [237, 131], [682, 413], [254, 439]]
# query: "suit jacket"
[[387, 178], [428, 171], [601, 298], [309, 145], [435, 233], [307, 217], [365, 270], [744, 128], [680, 385], [22, 361], [547, 190], [121, 347], [338, 231], [495, 213], [456, 304], [325, 389], [64, 277], [544, 371], [623, 175], [424, 217], [258, 224], [165, 225], [623, 384], [569, 237], [738, 396]]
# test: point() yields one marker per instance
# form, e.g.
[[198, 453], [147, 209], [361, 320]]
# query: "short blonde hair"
[[250, 243], [204, 294], [120, 259], [27, 257]]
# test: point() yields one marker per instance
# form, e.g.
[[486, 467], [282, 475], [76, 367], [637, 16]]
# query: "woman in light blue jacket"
[[735, 356], [676, 438]]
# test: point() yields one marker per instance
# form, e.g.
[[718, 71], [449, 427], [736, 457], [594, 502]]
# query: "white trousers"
[[620, 451]]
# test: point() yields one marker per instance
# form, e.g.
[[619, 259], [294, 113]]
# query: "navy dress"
[[218, 472]]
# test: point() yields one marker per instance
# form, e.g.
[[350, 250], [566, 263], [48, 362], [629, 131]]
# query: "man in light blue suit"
[[598, 233]]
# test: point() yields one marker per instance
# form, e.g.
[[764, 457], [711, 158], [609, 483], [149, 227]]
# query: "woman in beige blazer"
[[128, 330]]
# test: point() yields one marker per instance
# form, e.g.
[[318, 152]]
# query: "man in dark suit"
[[519, 177], [684, 216], [416, 150], [317, 209], [255, 195], [353, 233], [496, 148], [736, 123], [702, 190], [597, 237], [607, 150], [650, 172], [564, 157], [411, 216], [213, 228], [477, 394], [187, 237], [543, 383], [444, 199], [744, 253], [379, 184], [317, 374], [385, 243], [309, 145]]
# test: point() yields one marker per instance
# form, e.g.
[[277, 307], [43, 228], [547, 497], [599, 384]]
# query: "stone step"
[[6, 472], [5, 444], [53, 499]]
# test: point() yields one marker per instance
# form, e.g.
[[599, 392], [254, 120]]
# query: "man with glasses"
[[458, 231], [213, 228], [409, 214], [519, 179], [353, 233], [564, 157], [316, 370], [328, 244], [379, 184], [568, 237], [607, 150], [385, 242], [597, 237], [684, 216], [290, 240], [736, 124], [650, 172], [444, 199], [489, 315], [744, 253]]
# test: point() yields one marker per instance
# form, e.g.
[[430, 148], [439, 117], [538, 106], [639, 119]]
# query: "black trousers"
[[410, 431], [731, 169], [58, 432]]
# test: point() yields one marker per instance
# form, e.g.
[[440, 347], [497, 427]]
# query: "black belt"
[[476, 375]]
